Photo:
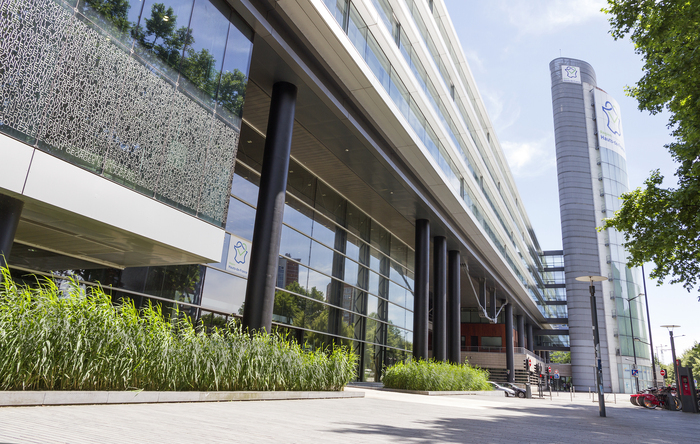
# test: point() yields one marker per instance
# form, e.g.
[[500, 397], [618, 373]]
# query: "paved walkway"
[[380, 417]]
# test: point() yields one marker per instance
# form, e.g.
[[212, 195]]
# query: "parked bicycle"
[[659, 398]]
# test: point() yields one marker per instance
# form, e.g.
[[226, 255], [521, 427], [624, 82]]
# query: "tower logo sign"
[[613, 116], [608, 122], [238, 256], [570, 74]]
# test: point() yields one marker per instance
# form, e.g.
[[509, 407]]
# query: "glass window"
[[298, 216], [240, 219], [397, 294], [337, 8], [162, 34], [204, 52], [295, 245], [223, 292], [397, 316], [301, 183], [318, 285], [245, 184], [324, 230], [289, 309], [352, 272], [116, 18], [321, 258], [357, 30], [234, 72]]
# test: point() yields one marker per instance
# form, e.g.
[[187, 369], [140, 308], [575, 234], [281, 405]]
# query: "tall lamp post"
[[596, 340], [634, 352], [651, 341], [673, 351]]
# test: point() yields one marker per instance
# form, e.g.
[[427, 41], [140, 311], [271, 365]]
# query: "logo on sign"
[[241, 252], [571, 74], [613, 116], [238, 252]]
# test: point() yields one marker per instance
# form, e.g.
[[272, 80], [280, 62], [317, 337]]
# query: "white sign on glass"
[[609, 122], [570, 74], [238, 259]]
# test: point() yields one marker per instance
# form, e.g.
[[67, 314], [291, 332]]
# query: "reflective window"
[[223, 292], [245, 184], [295, 245], [241, 219]]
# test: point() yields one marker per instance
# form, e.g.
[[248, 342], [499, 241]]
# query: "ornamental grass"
[[77, 339], [435, 376]]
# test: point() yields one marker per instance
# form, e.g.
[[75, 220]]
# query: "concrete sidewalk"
[[379, 417]]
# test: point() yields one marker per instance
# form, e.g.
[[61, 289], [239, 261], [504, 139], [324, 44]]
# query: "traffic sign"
[[635, 373], [556, 371], [662, 372], [556, 375]]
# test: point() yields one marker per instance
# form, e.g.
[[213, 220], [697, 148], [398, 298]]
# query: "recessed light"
[[250, 141], [347, 149]]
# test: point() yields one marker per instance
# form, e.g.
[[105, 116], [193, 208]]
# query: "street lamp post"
[[673, 352], [651, 341], [634, 352], [596, 340]]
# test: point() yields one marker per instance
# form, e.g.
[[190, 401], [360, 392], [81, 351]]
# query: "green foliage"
[[691, 358], [663, 225], [435, 376], [560, 357], [78, 340]]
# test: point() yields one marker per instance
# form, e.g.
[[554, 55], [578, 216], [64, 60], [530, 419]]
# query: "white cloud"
[[530, 159], [549, 16]]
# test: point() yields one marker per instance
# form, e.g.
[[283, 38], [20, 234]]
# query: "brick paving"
[[380, 417]]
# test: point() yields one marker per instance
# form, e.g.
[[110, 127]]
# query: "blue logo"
[[571, 72], [613, 118], [241, 252]]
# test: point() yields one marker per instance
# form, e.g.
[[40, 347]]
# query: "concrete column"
[[260, 293], [10, 211], [421, 290], [510, 364], [454, 307], [521, 330], [530, 338], [440, 298]]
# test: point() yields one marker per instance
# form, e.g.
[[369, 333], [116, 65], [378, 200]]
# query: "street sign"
[[662, 372], [556, 375], [635, 373], [556, 371]]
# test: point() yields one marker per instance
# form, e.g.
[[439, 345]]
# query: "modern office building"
[[323, 166], [592, 170]]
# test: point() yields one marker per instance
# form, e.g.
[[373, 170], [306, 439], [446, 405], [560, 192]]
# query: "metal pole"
[[596, 342], [675, 367], [651, 341], [634, 352], [453, 308]]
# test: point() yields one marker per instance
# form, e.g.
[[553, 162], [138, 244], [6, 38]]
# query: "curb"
[[438, 393], [43, 398]]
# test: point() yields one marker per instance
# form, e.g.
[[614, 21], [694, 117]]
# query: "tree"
[[691, 358], [560, 357], [663, 224]]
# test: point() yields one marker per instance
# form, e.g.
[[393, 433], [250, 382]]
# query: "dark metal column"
[[454, 307], [530, 338], [421, 291], [260, 293], [493, 305], [520, 322], [510, 365], [10, 211], [482, 293], [440, 298]]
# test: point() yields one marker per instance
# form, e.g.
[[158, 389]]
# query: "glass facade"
[[625, 280], [147, 94]]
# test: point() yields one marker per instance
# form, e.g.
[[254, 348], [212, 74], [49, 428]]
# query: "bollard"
[[614, 398], [550, 393], [528, 391], [571, 392]]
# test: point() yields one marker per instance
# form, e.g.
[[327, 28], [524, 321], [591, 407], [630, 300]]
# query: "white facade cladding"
[[591, 163]]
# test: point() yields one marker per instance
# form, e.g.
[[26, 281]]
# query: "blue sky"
[[509, 44]]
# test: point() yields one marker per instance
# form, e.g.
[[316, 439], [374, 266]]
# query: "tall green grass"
[[435, 376], [72, 340]]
